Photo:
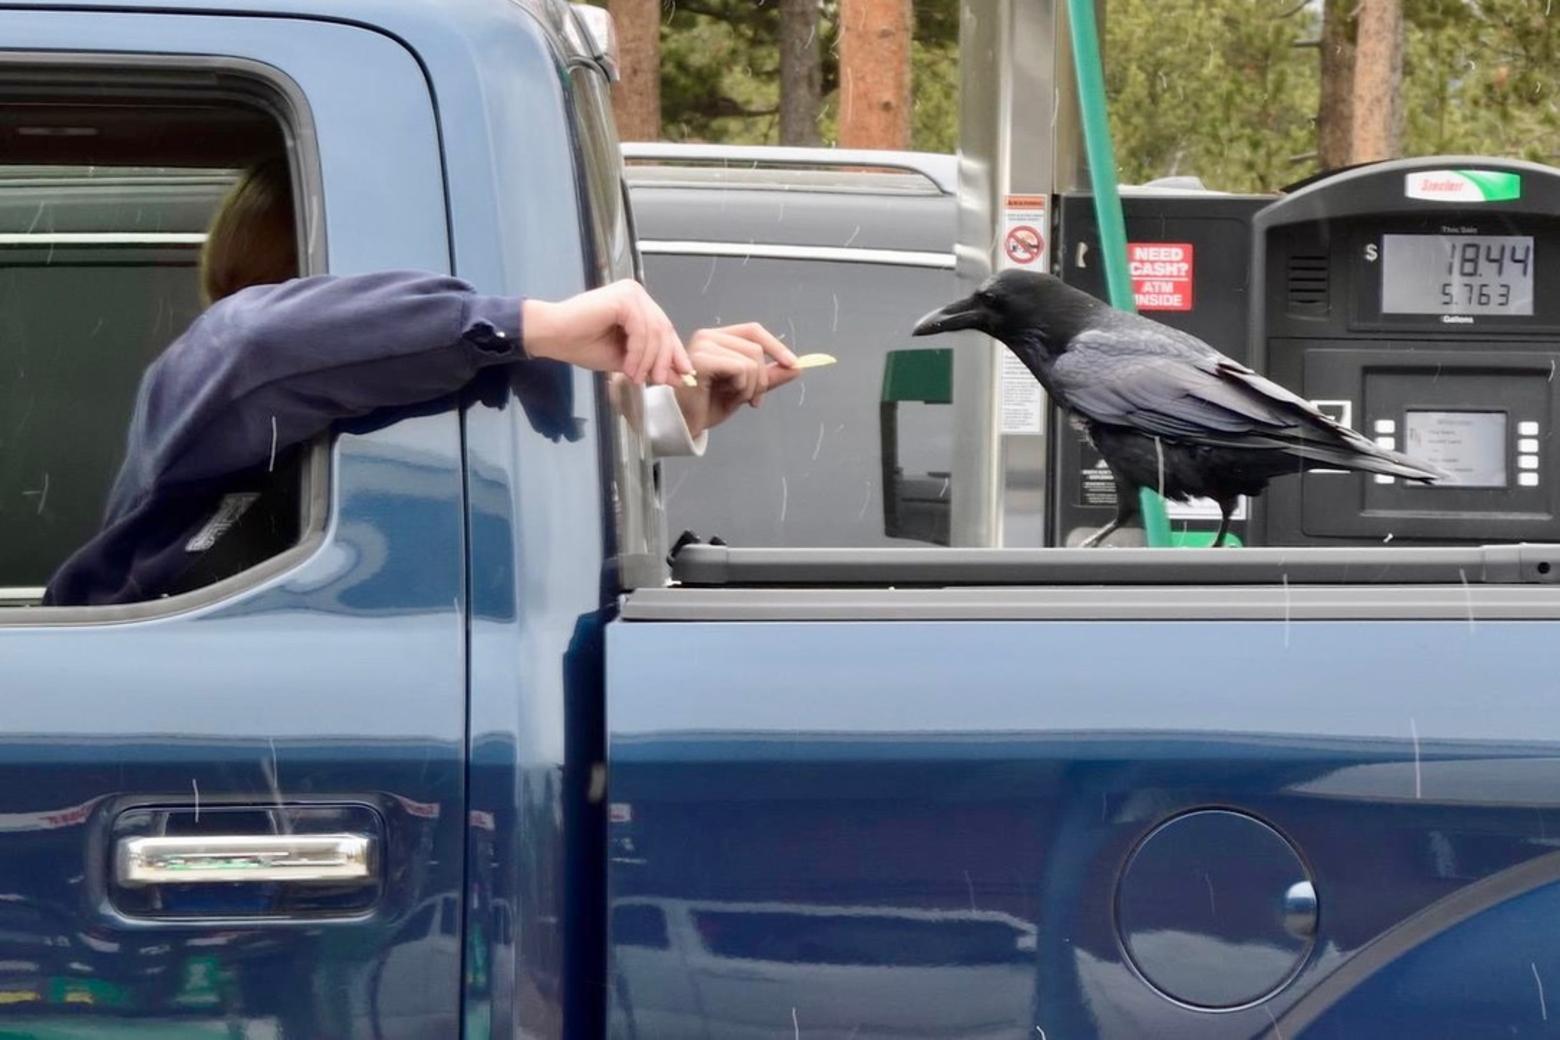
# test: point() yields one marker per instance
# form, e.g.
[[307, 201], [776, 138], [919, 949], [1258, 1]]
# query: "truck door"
[[165, 766]]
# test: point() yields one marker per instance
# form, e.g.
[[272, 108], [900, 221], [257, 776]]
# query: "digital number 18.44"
[[1470, 260]]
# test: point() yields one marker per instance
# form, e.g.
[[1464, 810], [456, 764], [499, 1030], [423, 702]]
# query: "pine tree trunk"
[[636, 98], [1335, 110], [1378, 81], [874, 106], [801, 72]]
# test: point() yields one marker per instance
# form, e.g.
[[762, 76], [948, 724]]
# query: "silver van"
[[835, 251]]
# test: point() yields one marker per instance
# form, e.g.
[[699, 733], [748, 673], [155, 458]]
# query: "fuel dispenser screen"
[[1457, 274], [1469, 446]]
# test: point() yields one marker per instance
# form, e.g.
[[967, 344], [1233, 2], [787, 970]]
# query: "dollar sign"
[[1370, 253]]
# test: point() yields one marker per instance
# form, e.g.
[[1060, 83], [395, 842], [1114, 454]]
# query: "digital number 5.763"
[[1482, 294]]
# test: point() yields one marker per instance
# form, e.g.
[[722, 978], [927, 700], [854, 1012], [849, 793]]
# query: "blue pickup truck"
[[450, 746]]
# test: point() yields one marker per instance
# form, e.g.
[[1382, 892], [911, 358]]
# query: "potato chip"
[[815, 360]]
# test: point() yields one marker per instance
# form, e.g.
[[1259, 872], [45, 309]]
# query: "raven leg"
[[1226, 507], [1126, 509], [1099, 536]]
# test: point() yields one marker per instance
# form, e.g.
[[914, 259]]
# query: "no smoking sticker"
[[1024, 223], [1023, 245]]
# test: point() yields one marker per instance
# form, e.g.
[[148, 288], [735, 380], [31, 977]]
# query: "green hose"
[[1107, 206]]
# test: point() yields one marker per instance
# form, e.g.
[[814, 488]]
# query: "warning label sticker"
[[1096, 486], [1161, 275], [1020, 403], [1024, 227]]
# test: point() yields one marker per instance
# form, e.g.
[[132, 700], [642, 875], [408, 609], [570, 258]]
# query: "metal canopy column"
[[1019, 146]]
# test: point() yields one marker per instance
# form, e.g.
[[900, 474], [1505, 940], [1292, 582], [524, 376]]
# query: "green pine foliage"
[[1223, 89]]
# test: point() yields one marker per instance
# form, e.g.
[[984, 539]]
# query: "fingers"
[[753, 332], [753, 365], [636, 337], [779, 375], [667, 364], [741, 363], [653, 350]]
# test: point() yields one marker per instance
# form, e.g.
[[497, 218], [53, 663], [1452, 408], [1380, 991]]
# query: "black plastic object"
[[914, 506], [715, 566]]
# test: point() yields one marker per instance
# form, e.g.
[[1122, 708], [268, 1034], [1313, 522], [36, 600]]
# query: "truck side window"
[[103, 210]]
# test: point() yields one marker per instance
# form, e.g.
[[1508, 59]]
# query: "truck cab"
[[325, 678]]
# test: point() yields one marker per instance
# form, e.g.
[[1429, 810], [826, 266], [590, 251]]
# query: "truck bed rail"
[[715, 566]]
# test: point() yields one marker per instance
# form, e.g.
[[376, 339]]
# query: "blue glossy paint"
[[538, 547], [1231, 947], [341, 682], [840, 781], [1490, 975]]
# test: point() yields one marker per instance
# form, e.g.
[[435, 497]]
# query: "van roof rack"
[[938, 170]]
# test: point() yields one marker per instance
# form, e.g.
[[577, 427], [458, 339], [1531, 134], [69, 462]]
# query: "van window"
[[638, 924], [832, 257], [858, 454], [103, 211]]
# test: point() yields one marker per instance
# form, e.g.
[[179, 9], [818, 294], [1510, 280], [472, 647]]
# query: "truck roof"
[[368, 12], [419, 23]]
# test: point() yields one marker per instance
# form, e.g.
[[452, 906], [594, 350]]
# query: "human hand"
[[616, 328], [736, 365]]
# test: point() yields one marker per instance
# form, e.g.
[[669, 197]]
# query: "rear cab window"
[[107, 191]]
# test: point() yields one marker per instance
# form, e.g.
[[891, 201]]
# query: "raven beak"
[[961, 314]]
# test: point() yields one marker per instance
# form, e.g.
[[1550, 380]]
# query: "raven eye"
[[986, 298]]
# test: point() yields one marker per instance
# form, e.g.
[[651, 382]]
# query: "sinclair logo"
[[1463, 186]]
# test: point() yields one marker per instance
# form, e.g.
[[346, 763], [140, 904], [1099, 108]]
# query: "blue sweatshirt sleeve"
[[274, 365]]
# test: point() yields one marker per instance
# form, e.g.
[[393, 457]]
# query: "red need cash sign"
[[1161, 275]]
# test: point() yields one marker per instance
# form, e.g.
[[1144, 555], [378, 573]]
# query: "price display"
[[1457, 274]]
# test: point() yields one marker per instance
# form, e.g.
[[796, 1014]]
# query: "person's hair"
[[252, 239]]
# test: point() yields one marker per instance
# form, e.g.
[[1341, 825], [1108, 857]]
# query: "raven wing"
[[1178, 388]]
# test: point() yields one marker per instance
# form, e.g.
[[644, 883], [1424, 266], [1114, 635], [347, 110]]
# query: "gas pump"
[[1419, 302]]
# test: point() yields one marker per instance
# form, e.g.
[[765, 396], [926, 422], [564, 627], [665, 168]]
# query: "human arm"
[[274, 365]]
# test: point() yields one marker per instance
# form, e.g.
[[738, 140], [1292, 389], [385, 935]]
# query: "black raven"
[[1164, 409]]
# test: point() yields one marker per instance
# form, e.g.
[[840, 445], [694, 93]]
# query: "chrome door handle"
[[242, 857]]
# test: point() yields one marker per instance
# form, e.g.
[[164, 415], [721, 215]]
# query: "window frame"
[[218, 78], [631, 475]]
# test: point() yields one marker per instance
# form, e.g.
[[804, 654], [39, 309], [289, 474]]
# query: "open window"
[[106, 194]]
